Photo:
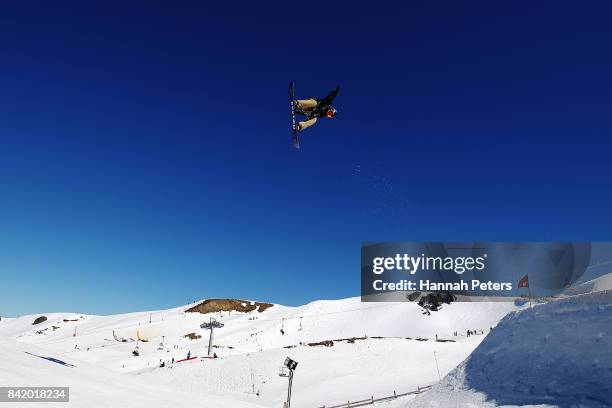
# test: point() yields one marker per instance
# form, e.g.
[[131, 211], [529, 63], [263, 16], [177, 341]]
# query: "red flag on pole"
[[524, 282]]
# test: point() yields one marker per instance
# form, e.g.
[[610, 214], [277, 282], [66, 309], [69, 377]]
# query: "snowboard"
[[294, 130]]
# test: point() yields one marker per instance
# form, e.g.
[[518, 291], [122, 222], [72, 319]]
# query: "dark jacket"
[[323, 105]]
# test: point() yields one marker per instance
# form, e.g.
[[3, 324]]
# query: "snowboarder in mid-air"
[[314, 109]]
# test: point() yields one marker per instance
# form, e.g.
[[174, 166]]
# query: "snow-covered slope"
[[557, 353], [91, 385], [251, 348], [596, 285]]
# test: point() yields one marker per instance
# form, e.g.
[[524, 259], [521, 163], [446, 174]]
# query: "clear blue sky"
[[146, 159]]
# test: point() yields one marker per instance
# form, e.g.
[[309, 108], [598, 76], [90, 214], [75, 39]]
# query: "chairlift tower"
[[211, 325]]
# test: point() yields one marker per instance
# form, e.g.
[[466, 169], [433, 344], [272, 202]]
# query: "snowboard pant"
[[307, 123], [306, 105]]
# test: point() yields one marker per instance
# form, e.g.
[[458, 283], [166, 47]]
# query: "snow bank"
[[553, 354]]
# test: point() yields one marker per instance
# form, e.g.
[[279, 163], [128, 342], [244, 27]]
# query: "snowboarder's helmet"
[[331, 113]]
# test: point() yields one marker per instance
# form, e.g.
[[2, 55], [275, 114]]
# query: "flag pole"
[[524, 282], [529, 291]]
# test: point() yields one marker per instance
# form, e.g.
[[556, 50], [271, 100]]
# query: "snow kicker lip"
[[472, 271]]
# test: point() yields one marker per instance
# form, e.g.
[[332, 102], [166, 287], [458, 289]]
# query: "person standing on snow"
[[314, 109]]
